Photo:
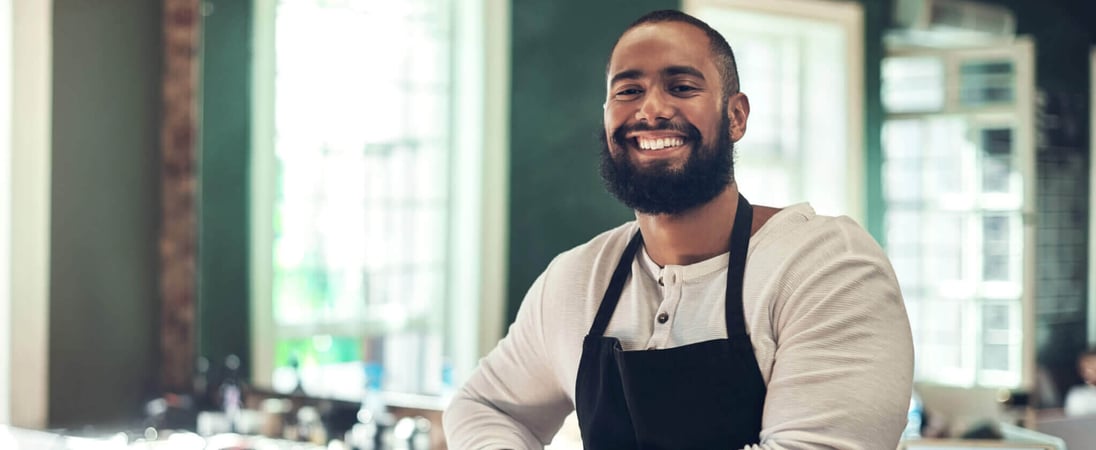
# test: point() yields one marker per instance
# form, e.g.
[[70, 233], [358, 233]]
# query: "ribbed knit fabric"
[[823, 310]]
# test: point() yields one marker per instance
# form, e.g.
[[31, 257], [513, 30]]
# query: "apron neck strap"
[[616, 286], [740, 240], [736, 269]]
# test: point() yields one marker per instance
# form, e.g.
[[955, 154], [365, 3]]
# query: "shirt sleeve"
[[843, 367], [513, 399]]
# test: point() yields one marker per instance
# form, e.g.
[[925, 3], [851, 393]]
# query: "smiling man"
[[706, 322]]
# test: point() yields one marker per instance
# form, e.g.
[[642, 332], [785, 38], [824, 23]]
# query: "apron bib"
[[699, 396]]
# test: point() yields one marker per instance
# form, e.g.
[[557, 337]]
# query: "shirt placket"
[[671, 282]]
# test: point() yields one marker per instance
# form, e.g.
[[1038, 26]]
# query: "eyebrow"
[[634, 74]]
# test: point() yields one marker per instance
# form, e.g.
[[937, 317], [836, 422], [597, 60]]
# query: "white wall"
[[5, 210], [28, 261]]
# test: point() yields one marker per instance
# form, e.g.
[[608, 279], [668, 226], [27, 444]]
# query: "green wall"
[[1063, 32], [223, 229], [105, 210], [559, 51]]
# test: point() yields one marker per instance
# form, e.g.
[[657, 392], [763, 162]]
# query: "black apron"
[[707, 395]]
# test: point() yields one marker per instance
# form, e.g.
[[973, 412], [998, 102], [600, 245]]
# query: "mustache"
[[689, 130]]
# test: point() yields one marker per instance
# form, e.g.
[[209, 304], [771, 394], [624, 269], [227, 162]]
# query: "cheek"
[[613, 118], [708, 124]]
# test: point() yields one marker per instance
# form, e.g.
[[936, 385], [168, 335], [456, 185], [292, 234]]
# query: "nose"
[[655, 106]]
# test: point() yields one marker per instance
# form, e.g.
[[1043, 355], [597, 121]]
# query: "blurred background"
[[322, 200]]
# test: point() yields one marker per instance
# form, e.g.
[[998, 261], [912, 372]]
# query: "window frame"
[[473, 319], [1020, 116]]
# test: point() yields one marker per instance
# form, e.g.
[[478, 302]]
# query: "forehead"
[[653, 46]]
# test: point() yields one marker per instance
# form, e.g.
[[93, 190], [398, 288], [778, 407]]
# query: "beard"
[[660, 188]]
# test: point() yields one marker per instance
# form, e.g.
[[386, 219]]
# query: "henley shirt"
[[822, 307]]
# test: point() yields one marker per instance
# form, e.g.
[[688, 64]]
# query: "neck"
[[691, 236]]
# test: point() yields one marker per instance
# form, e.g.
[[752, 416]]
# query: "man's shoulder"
[[799, 237], [798, 230]]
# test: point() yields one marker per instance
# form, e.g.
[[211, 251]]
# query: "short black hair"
[[720, 49]]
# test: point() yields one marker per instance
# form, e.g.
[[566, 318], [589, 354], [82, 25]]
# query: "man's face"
[[661, 81], [1087, 366], [667, 138]]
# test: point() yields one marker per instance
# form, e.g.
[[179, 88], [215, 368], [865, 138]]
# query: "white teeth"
[[658, 144]]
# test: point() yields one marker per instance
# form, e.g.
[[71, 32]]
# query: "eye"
[[682, 89], [628, 93]]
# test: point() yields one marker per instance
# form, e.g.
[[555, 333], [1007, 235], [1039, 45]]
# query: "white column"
[[30, 208], [5, 211]]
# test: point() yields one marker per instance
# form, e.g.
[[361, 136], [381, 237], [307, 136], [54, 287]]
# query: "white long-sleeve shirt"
[[823, 310]]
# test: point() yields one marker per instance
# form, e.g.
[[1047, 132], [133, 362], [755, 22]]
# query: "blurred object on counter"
[[231, 393], [1017, 406], [915, 418], [309, 426], [411, 433], [171, 411], [951, 411], [966, 444], [22, 439], [1079, 433], [274, 411], [983, 431], [1013, 433]]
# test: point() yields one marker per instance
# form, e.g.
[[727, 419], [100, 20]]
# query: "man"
[[1081, 399], [705, 323]]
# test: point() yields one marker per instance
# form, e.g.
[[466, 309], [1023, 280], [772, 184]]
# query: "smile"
[[646, 143]]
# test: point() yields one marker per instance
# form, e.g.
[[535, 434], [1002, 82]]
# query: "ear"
[[738, 110]]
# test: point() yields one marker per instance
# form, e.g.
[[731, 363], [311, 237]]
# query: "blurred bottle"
[[203, 398], [374, 428], [309, 426], [914, 418], [231, 394], [411, 433]]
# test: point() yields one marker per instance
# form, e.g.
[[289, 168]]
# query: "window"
[[363, 218], [799, 63], [958, 169]]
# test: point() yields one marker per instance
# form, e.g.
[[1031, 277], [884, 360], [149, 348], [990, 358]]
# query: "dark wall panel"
[[105, 207], [558, 87]]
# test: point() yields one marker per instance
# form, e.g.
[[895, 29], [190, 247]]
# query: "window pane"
[[362, 101], [941, 339], [997, 336], [986, 83], [943, 257], [995, 357], [913, 84], [996, 245], [996, 160]]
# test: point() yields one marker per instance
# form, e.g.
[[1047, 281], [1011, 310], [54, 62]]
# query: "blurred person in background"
[[1081, 399]]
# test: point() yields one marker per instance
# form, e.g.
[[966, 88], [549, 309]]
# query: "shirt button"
[[662, 318]]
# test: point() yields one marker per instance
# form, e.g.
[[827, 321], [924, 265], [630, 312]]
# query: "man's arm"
[[843, 368], [513, 399]]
